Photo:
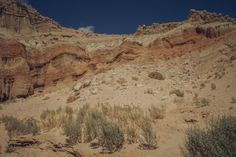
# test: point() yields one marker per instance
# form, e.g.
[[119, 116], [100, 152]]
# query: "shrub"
[[111, 137], [200, 102], [92, 125], [72, 130], [177, 92], [69, 110], [156, 75], [48, 119], [81, 115], [202, 85], [218, 140], [20, 127], [54, 119], [205, 102], [213, 86], [148, 139], [157, 113], [131, 135]]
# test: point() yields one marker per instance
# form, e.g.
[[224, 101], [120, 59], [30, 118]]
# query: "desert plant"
[[10, 149], [81, 115], [72, 130], [218, 140], [111, 136], [205, 102], [92, 125], [54, 119], [177, 92], [106, 109], [213, 86], [148, 140], [16, 127], [202, 85], [157, 113], [69, 110], [131, 135], [200, 102]]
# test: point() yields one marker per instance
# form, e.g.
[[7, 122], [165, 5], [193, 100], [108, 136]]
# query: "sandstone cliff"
[[48, 56], [19, 17]]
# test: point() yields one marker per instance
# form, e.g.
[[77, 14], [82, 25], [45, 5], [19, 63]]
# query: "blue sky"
[[124, 16]]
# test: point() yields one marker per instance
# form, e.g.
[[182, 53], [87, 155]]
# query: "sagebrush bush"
[[92, 125], [16, 127], [148, 139], [56, 118], [217, 140], [131, 135], [111, 136], [72, 130], [81, 115]]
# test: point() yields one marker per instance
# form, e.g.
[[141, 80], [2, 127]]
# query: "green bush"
[[131, 135], [81, 115], [218, 140], [111, 136], [16, 127], [148, 139], [92, 125], [72, 130]]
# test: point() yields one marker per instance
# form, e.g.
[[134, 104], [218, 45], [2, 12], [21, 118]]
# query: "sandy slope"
[[186, 73]]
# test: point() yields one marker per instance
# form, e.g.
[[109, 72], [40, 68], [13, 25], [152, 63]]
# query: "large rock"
[[15, 79], [19, 17]]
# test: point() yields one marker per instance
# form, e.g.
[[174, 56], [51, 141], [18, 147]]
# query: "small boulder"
[[177, 92], [156, 75], [80, 85]]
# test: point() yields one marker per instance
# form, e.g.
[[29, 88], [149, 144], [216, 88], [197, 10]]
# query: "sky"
[[124, 16]]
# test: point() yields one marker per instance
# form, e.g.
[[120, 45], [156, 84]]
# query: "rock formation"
[[53, 54], [19, 17]]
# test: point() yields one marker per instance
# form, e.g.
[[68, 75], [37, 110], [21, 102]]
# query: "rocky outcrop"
[[26, 65], [214, 31], [19, 17], [156, 28], [15, 79], [202, 16]]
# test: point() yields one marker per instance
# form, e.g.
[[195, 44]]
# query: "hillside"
[[186, 68]]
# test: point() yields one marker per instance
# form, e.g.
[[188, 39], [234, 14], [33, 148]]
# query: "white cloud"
[[87, 29]]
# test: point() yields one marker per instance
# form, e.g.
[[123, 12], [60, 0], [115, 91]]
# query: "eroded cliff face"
[[43, 60], [19, 17], [15, 79]]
